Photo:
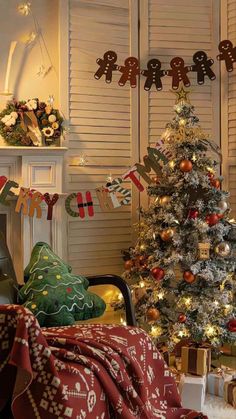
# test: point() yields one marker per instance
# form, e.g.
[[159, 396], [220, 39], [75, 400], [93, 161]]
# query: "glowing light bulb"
[[142, 247], [210, 330], [182, 122], [216, 303], [187, 301], [181, 334], [142, 284], [161, 295], [156, 331], [194, 157], [172, 164]]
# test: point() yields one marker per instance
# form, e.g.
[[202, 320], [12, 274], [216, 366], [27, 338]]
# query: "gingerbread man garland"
[[153, 74], [129, 71], [178, 72], [202, 66], [227, 54], [107, 66]]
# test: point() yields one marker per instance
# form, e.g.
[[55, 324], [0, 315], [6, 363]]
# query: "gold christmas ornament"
[[164, 200], [167, 234], [223, 249]]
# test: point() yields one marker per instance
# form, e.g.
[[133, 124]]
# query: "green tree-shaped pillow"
[[53, 294]]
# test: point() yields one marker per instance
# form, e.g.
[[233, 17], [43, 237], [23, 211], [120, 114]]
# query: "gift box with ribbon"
[[195, 360], [169, 357], [192, 391], [217, 378], [230, 392]]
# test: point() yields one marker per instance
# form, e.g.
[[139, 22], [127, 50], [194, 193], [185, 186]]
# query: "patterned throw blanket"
[[82, 371]]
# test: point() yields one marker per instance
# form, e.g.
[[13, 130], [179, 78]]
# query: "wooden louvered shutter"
[[169, 28], [102, 127], [228, 105]]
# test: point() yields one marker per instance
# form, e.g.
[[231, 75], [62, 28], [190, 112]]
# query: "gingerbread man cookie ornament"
[[129, 71], [202, 66], [153, 74], [227, 54], [107, 66], [178, 73]]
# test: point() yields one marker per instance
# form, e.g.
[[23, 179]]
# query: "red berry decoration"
[[157, 273], [189, 277], [215, 183], [212, 219], [186, 166], [69, 289], [193, 214], [182, 318], [231, 325]]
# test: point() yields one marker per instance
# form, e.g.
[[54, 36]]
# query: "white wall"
[[24, 81]]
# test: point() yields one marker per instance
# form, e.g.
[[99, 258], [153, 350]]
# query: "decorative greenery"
[[182, 268], [30, 123]]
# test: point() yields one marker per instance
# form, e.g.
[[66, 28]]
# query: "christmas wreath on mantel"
[[30, 123]]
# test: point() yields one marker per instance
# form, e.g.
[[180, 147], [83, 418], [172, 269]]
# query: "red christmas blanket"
[[82, 371]]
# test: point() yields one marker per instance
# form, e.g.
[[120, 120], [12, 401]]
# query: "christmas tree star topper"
[[181, 95]]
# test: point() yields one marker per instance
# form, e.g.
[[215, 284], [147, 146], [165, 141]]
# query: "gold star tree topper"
[[181, 95]]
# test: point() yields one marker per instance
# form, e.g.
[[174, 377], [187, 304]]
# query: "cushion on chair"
[[54, 295]]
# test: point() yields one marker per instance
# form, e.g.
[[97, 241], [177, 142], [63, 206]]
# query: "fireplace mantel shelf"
[[31, 151]]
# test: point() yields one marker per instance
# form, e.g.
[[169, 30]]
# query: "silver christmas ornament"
[[223, 205], [223, 249]]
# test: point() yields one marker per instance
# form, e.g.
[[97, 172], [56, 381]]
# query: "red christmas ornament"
[[193, 214], [210, 175], [69, 289], [231, 325], [212, 219], [188, 276], [153, 314], [215, 183], [182, 318], [186, 166], [128, 265], [157, 273]]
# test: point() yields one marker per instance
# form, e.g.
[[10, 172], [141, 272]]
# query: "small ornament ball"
[[128, 265], [182, 318], [193, 214], [223, 249], [153, 314], [215, 183], [189, 277], [167, 234], [231, 325], [186, 166], [158, 273], [212, 219], [223, 206]]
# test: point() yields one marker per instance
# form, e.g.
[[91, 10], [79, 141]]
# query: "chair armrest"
[[118, 282]]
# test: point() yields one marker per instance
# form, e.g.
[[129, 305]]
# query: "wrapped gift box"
[[195, 360], [169, 357], [216, 381], [230, 392], [192, 390]]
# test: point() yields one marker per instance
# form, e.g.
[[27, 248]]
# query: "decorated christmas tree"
[[182, 267]]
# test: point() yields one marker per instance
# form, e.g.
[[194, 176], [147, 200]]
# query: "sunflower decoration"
[[31, 123]]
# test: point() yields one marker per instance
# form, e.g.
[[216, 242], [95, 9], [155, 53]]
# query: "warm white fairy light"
[[24, 8], [187, 301], [182, 122], [156, 331], [210, 330], [142, 247], [194, 157], [161, 295], [172, 164], [216, 303], [82, 160], [142, 284]]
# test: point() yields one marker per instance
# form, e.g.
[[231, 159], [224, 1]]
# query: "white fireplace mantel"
[[41, 169]]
